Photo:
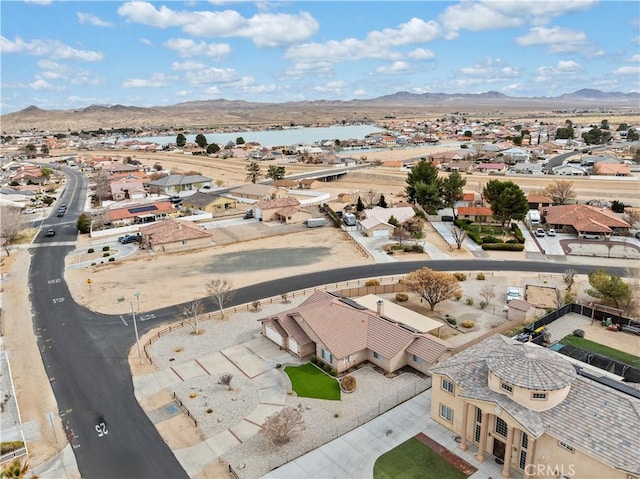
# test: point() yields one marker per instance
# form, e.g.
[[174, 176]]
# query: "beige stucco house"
[[283, 210], [528, 407], [211, 203], [343, 333], [376, 222], [258, 191], [174, 235]]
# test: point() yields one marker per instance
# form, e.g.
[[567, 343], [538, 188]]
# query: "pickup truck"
[[513, 293]]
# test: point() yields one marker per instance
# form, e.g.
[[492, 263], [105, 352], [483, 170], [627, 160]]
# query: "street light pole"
[[137, 295], [135, 328]]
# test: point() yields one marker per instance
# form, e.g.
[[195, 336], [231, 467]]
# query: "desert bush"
[[326, 367], [112, 259], [451, 320], [467, 323], [483, 304], [91, 250], [8, 446], [105, 248], [334, 372], [209, 411], [469, 301], [568, 298], [579, 333], [503, 247], [193, 395], [480, 277], [178, 349], [460, 276], [348, 383], [106, 254], [372, 282], [282, 425], [458, 296], [225, 380], [402, 297]]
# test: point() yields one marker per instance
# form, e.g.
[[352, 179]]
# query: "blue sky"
[[65, 54]]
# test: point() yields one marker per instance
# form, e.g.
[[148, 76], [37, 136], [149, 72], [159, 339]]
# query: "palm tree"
[[16, 469]]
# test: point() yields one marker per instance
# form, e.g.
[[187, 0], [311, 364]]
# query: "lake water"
[[293, 136]]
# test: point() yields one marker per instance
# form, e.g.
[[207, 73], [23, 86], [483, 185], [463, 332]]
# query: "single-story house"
[[584, 219], [569, 170], [307, 183], [285, 183], [609, 169], [173, 184], [258, 191], [376, 222], [475, 213], [278, 209], [343, 333], [537, 202], [530, 408], [174, 235], [140, 214], [210, 202], [125, 188], [491, 168]]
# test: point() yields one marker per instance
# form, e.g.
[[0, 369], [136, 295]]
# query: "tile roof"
[[402, 214], [172, 230], [346, 328], [177, 180], [539, 199], [475, 210], [201, 198], [520, 305], [593, 417], [277, 203], [253, 189], [580, 216], [611, 169], [132, 211]]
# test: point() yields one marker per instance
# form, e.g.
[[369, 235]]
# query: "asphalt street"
[[85, 353]]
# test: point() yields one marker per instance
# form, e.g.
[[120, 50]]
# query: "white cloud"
[[301, 69], [634, 59], [212, 90], [156, 80], [211, 75], [264, 29], [188, 65], [556, 39], [55, 71], [183, 93], [39, 2], [491, 68], [41, 84], [394, 68], [188, 48], [421, 54], [48, 48], [91, 19], [568, 66], [146, 42], [628, 71], [335, 87]]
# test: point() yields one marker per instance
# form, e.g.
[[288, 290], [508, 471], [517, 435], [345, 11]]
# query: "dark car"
[[638, 234], [126, 239], [248, 215], [51, 232], [61, 213]]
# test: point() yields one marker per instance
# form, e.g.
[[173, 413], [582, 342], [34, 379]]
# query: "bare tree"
[[400, 234], [103, 190], [568, 277], [458, 236], [191, 311], [11, 224], [371, 198], [432, 286], [220, 291], [282, 425], [225, 380], [285, 298], [560, 192], [487, 292]]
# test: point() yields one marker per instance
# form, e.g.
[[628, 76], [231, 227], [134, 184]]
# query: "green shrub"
[[469, 301], [458, 295], [460, 276], [517, 233], [402, 297], [503, 247], [480, 277], [490, 239], [111, 259], [105, 248], [8, 446], [396, 247], [483, 304], [474, 236], [104, 255], [314, 359], [372, 282], [513, 241], [326, 367], [334, 372], [91, 250], [568, 298], [452, 321]]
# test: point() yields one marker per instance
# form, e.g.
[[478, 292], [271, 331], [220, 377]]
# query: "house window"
[[525, 441], [447, 385], [347, 360], [539, 396], [184, 242], [522, 461], [478, 415], [478, 427], [377, 356], [326, 355], [501, 427], [446, 413], [566, 446], [476, 435], [506, 387], [416, 359]]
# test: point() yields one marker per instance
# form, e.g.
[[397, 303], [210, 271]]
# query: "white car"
[[513, 293], [540, 233], [551, 232]]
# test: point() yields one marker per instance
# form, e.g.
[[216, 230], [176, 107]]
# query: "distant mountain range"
[[211, 113]]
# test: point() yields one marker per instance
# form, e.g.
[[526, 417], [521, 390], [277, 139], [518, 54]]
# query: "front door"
[[499, 448]]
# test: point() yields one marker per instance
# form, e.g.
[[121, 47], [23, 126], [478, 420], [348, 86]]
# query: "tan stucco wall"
[[178, 246], [524, 396]]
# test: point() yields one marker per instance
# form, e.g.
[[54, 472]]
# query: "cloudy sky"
[[65, 54]]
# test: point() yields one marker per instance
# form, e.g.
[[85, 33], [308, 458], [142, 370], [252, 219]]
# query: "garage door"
[[273, 336], [293, 346], [379, 233]]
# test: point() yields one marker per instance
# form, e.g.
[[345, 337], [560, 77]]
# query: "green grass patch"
[[414, 460], [597, 348], [310, 382]]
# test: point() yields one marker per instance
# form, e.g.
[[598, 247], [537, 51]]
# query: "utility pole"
[[135, 327]]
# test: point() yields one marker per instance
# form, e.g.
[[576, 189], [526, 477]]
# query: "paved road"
[[85, 353]]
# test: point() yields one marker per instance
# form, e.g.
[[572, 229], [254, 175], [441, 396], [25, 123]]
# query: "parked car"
[[539, 232], [638, 234], [513, 292], [126, 239], [593, 236], [551, 232], [248, 215], [51, 232]]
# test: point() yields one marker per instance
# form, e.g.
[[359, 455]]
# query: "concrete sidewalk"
[[354, 454]]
